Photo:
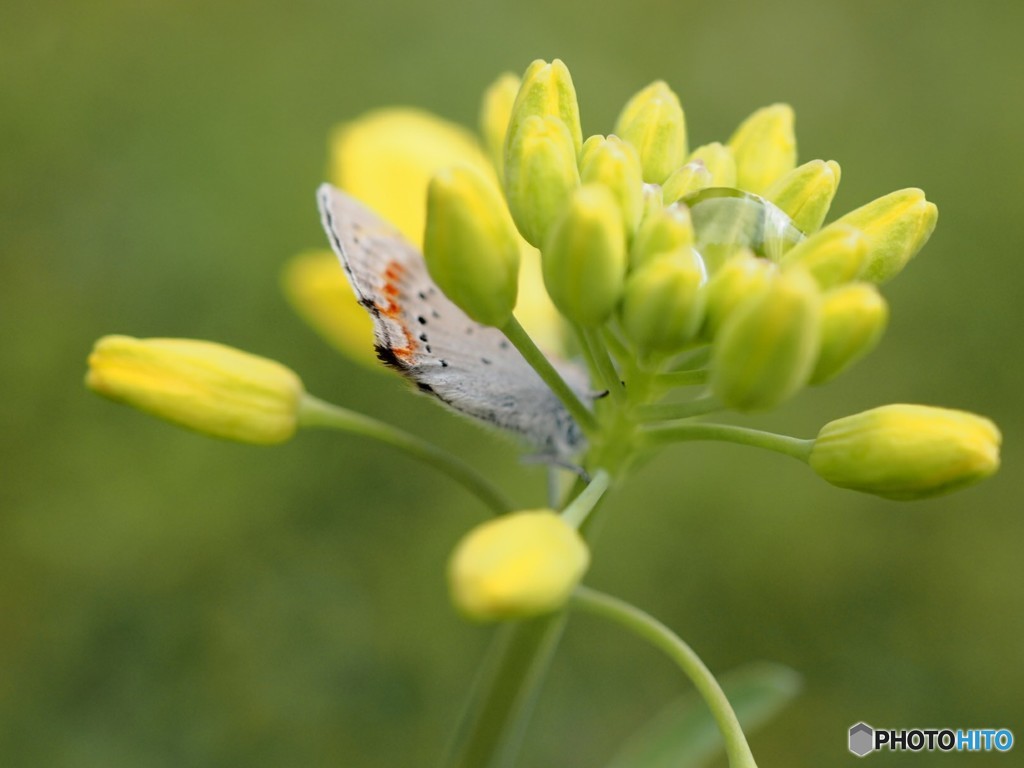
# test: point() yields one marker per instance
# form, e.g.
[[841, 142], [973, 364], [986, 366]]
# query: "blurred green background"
[[169, 600]]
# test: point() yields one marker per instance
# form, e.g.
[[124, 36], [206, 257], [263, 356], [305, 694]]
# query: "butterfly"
[[471, 368]]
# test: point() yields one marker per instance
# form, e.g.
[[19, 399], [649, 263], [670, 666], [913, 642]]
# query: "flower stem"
[[314, 412], [656, 633], [674, 379], [490, 733], [684, 410], [580, 507], [598, 352], [671, 433], [521, 340]]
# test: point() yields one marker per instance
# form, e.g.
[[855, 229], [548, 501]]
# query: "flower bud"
[[470, 245], [692, 177], [208, 387], [853, 319], [764, 147], [834, 255], [584, 259], [662, 306], [547, 91], [897, 226], [315, 286], [805, 193], [653, 122], [718, 159], [495, 113], [663, 230], [766, 348], [615, 164], [906, 452], [540, 175], [741, 279], [516, 566]]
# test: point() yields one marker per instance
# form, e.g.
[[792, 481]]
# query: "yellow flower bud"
[[764, 146], [766, 348], [741, 279], [718, 159], [470, 245], [654, 123], [663, 305], [584, 259], [897, 226], [907, 452], [691, 178], [547, 91], [853, 319], [615, 164], [805, 193], [663, 230], [516, 566], [834, 255], [495, 113], [540, 175], [200, 385], [315, 286]]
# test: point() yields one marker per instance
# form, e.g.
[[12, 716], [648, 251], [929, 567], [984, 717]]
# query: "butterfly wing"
[[470, 367]]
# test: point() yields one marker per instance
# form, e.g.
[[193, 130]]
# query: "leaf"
[[684, 735]]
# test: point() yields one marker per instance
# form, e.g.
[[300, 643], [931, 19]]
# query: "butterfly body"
[[420, 333]]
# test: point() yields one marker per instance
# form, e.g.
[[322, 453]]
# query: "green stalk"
[[314, 412], [521, 340], [673, 433], [599, 353], [490, 733], [653, 631], [684, 410]]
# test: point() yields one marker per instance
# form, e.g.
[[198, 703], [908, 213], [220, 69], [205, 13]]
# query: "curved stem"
[[674, 379], [672, 433], [656, 633], [521, 340], [598, 352], [314, 412]]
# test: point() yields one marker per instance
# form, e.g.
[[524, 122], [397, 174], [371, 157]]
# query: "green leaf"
[[684, 735]]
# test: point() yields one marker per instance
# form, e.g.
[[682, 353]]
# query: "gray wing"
[[470, 367]]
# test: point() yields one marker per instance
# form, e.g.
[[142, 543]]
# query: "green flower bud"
[[834, 255], [540, 175], [741, 279], [470, 245], [653, 122], [897, 226], [853, 319], [516, 566], [766, 348], [764, 146], [662, 306], [584, 258], [907, 452], [547, 91], [615, 164], [663, 230], [692, 177], [718, 159], [495, 113], [806, 192], [207, 387]]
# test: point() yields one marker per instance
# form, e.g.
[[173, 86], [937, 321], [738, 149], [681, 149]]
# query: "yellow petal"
[[318, 291], [386, 158]]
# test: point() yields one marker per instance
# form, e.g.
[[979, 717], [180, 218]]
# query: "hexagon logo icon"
[[862, 739]]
